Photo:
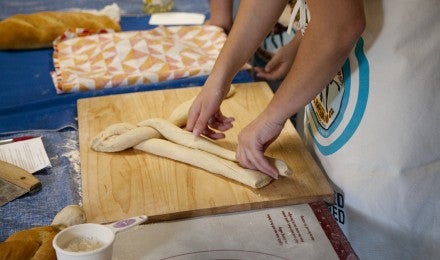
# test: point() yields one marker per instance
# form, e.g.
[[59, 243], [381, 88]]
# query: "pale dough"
[[69, 216], [185, 138], [204, 160], [182, 146], [121, 136]]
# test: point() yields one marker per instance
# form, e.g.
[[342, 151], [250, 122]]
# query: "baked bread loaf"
[[34, 243], [39, 30]]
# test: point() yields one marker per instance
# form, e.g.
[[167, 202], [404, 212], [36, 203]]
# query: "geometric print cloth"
[[86, 62]]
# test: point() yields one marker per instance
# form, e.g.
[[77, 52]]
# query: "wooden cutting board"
[[131, 182]]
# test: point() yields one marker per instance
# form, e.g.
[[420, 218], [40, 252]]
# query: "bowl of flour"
[[91, 241]]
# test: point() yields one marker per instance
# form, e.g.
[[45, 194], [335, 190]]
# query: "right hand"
[[204, 115], [254, 139]]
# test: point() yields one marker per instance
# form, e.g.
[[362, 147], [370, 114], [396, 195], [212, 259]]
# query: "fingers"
[[253, 140], [220, 122], [250, 153], [268, 74], [217, 122], [272, 64], [200, 122], [261, 73], [198, 118], [256, 161], [277, 67], [212, 134], [193, 116]]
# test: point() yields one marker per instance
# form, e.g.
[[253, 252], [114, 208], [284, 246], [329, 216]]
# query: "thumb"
[[269, 66], [272, 64]]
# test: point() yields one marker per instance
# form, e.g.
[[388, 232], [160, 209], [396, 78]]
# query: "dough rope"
[[121, 136], [204, 160], [180, 136]]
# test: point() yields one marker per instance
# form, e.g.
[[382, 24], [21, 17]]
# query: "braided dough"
[[181, 146], [165, 138], [123, 136]]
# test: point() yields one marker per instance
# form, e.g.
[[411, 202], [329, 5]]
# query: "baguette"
[[39, 30]]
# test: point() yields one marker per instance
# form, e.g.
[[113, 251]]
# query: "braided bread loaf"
[[38, 30]]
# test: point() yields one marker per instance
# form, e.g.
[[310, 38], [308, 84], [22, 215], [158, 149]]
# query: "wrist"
[[222, 73], [274, 116], [216, 83]]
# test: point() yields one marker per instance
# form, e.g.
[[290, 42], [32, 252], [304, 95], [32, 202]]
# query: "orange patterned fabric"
[[111, 60]]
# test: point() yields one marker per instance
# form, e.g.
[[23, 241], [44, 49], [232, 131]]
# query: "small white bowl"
[[84, 241], [90, 241]]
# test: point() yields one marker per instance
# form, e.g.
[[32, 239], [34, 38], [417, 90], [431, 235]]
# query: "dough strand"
[[204, 160], [185, 138], [121, 136]]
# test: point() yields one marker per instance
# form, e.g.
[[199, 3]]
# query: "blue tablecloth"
[[28, 100], [29, 105], [61, 185]]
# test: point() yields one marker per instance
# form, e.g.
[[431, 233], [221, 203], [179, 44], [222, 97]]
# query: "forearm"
[[221, 14], [253, 22], [331, 34]]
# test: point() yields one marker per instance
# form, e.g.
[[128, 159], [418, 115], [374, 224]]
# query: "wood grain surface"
[[131, 182]]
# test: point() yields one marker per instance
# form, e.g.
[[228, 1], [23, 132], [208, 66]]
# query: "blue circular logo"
[[335, 114]]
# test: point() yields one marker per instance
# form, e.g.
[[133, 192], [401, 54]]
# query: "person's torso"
[[376, 127]]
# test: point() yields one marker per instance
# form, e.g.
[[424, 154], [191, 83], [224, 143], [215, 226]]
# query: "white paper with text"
[[28, 154], [290, 232]]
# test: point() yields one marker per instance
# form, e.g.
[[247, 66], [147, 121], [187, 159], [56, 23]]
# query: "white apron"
[[376, 132]]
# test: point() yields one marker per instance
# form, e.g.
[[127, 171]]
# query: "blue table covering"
[[28, 99], [61, 185], [29, 105]]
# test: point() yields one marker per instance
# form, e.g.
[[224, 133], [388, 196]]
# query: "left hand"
[[279, 65]]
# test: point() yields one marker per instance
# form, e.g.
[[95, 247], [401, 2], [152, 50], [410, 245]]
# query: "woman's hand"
[[281, 62], [205, 117], [253, 141]]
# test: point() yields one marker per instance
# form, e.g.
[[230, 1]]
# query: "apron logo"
[[334, 115], [327, 104]]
